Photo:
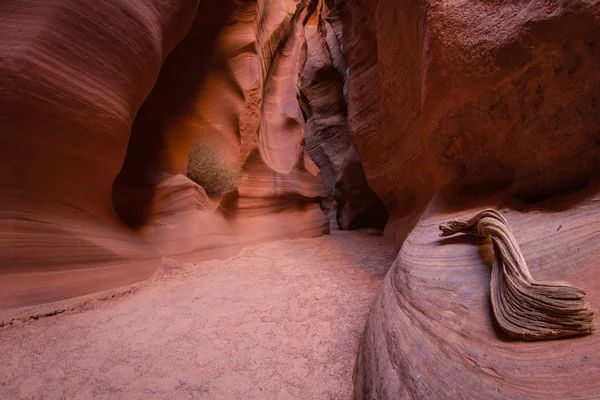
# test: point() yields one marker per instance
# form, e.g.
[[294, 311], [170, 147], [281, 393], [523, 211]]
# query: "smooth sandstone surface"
[[350, 203], [95, 189], [484, 96], [431, 332], [414, 113], [73, 76], [458, 102], [247, 108]]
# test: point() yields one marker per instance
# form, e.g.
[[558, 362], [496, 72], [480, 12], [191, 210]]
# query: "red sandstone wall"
[[73, 77], [455, 106], [351, 204], [478, 97], [98, 119]]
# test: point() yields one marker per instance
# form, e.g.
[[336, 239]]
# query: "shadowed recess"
[[172, 98]]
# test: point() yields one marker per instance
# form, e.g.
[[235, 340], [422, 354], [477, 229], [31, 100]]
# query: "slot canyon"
[[242, 199]]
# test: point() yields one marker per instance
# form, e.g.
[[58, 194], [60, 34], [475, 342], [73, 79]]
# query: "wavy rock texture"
[[95, 187], [68, 97], [445, 93], [431, 332], [470, 101], [244, 107], [350, 203]]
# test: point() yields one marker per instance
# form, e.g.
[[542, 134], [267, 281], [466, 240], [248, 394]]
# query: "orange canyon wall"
[[455, 106], [101, 106]]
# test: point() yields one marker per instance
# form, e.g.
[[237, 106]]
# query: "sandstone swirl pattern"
[[431, 332], [351, 203], [100, 105], [479, 104], [489, 96], [438, 108], [68, 99]]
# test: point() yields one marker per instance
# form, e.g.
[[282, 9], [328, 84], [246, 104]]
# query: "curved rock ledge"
[[431, 332]]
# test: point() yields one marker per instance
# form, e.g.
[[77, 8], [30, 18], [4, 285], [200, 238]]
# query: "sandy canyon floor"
[[280, 320]]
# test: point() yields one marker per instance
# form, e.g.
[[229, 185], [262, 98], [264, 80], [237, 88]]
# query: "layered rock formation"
[[441, 93], [134, 130], [485, 104], [431, 332], [96, 185], [237, 94], [351, 204], [73, 76]]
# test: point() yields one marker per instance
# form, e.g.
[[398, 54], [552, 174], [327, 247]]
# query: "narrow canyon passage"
[[279, 320], [135, 131]]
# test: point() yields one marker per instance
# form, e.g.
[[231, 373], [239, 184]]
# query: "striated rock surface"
[[140, 131], [72, 77], [95, 189], [462, 102], [431, 332], [493, 96], [241, 114], [350, 203]]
